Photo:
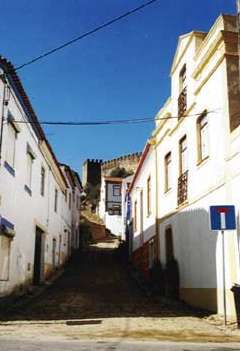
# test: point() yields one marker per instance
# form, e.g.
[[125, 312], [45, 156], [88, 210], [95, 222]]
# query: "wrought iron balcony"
[[182, 188], [182, 102]]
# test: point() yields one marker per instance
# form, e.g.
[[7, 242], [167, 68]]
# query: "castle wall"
[[129, 162]]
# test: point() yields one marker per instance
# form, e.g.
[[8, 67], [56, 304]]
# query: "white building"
[[115, 179], [110, 205], [34, 217], [196, 164], [73, 202], [126, 182], [144, 211]]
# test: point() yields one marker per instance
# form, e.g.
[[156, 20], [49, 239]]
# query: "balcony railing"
[[182, 188], [182, 102]]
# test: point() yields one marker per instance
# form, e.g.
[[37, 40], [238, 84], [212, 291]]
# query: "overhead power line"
[[109, 122], [86, 34]]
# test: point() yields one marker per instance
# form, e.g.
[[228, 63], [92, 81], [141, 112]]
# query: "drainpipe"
[[2, 77], [156, 213]]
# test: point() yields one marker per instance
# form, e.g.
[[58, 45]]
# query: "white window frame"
[[55, 200], [183, 155], [42, 181], [168, 171], [203, 137], [30, 158], [11, 145]]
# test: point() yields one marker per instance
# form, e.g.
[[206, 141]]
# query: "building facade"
[[196, 149], [142, 192], [34, 216], [110, 206], [115, 175]]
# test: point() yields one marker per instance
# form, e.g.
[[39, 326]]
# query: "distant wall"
[[129, 162]]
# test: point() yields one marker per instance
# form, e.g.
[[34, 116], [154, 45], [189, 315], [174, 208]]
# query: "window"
[[56, 200], [151, 253], [70, 201], [42, 191], [135, 217], [116, 190], [182, 78], [11, 145], [12, 131], [183, 155], [168, 175], [169, 244], [149, 196], [202, 131], [182, 99], [29, 170], [5, 244], [115, 210], [29, 166]]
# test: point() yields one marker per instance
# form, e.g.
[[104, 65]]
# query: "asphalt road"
[[20, 345]]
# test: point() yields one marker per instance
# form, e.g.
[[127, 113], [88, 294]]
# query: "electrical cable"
[[86, 34], [110, 122]]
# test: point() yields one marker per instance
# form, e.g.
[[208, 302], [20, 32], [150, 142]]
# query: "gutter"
[[2, 77], [142, 159]]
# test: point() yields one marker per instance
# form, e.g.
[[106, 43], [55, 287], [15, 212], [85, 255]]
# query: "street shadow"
[[97, 283]]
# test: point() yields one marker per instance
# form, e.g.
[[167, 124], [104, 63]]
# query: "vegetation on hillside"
[[120, 172]]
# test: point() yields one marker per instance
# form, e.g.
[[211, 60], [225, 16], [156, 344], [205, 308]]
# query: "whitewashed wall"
[[215, 181], [114, 224], [148, 169], [26, 211]]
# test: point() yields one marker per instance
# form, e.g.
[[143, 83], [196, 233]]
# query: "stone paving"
[[96, 299]]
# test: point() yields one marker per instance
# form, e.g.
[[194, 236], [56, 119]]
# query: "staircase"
[[96, 225]]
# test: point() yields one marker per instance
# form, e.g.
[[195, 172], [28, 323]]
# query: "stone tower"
[[92, 172]]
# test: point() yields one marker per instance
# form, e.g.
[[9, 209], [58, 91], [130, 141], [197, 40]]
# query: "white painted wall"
[[148, 221], [114, 224], [125, 184], [214, 181], [26, 211]]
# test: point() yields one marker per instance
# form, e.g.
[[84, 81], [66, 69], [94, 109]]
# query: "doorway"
[[60, 250], [69, 244], [54, 248], [141, 219], [38, 274]]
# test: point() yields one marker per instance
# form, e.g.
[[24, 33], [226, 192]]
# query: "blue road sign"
[[222, 217]]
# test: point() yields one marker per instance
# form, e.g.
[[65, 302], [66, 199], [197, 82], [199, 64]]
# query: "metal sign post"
[[222, 211], [223, 218], [224, 281]]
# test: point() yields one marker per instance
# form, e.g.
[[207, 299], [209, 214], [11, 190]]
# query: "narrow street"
[[96, 300]]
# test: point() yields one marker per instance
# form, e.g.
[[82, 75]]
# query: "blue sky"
[[120, 72]]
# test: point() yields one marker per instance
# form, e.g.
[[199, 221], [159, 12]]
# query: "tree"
[[120, 172]]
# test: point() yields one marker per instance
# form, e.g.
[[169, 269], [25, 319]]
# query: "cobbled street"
[[96, 299]]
